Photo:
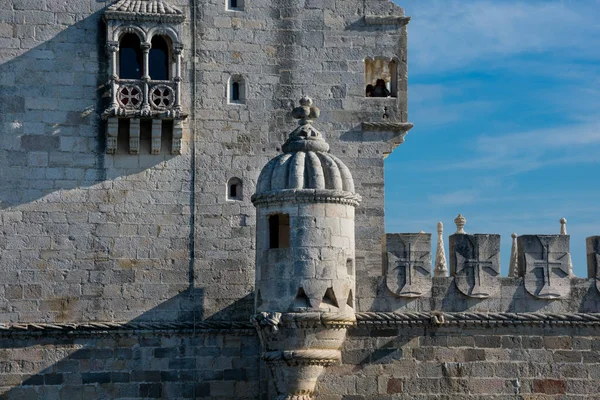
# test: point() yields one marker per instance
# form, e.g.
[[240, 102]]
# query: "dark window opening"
[[130, 57], [235, 189], [159, 59], [235, 91], [279, 231], [381, 77], [237, 5]]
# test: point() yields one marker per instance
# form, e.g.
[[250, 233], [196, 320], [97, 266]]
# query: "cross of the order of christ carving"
[[479, 266], [408, 263], [549, 268]]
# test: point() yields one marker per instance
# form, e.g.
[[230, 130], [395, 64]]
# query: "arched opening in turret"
[[279, 231], [350, 301], [301, 300]]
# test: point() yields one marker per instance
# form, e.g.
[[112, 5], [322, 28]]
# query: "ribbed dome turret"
[[306, 162]]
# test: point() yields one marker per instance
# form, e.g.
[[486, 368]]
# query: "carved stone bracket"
[[386, 20]]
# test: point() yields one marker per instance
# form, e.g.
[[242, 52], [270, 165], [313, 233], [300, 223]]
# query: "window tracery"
[[145, 51]]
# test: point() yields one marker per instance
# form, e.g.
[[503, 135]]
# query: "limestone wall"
[[91, 236], [220, 365]]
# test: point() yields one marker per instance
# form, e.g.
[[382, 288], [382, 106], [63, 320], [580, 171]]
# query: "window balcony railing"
[[145, 98]]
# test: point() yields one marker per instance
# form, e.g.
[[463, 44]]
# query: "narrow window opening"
[[237, 90], [130, 57], [350, 301], [381, 77], [234, 189], [279, 231], [159, 59], [236, 5]]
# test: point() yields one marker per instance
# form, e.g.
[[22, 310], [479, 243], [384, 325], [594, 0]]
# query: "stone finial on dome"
[[305, 137]]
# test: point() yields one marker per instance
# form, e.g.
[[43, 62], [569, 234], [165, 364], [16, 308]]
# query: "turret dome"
[[306, 162]]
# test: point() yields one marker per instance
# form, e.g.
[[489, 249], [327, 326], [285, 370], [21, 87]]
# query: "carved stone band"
[[304, 357], [308, 196]]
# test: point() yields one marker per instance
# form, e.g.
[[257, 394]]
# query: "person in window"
[[380, 90], [369, 91]]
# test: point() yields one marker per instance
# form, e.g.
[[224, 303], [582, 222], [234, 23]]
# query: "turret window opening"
[[159, 59], [235, 190], [279, 231], [131, 59], [381, 77]]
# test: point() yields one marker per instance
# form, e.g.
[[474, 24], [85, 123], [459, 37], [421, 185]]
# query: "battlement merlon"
[[542, 283]]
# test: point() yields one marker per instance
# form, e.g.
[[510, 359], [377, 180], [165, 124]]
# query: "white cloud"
[[520, 152], [452, 34], [458, 197]]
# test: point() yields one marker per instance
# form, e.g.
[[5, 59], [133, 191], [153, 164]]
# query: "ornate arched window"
[[145, 51], [131, 60], [159, 59]]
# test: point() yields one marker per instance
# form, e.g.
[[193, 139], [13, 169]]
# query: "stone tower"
[[305, 278]]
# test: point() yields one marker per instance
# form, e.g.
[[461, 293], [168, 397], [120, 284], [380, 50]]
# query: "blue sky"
[[505, 98]]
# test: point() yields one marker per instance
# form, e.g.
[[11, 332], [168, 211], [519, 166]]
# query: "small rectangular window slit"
[[279, 231]]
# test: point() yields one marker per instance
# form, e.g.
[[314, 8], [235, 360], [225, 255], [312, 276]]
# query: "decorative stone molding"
[[110, 327], [387, 126], [307, 196], [144, 11], [387, 20], [370, 320], [386, 320]]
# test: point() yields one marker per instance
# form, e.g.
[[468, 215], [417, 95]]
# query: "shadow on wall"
[[52, 136], [158, 359]]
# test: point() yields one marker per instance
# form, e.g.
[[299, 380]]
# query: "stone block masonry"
[[131, 276]]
